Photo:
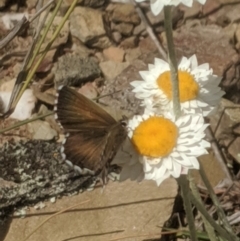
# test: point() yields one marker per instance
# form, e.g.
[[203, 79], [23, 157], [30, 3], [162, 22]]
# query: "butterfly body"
[[92, 135]]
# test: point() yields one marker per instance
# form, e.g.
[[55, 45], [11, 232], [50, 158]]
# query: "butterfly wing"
[[76, 112], [93, 135], [93, 152]]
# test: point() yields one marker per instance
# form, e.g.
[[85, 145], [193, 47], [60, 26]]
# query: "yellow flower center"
[[155, 137], [188, 87]]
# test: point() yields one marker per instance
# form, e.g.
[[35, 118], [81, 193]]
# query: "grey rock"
[[73, 70], [33, 170]]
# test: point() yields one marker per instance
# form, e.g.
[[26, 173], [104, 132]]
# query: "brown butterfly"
[[92, 136]]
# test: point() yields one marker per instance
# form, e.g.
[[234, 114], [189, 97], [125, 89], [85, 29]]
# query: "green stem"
[[55, 34], [222, 232], [176, 109], [185, 191], [209, 228]]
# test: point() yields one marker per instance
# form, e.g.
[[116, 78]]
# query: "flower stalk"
[[172, 60], [182, 180]]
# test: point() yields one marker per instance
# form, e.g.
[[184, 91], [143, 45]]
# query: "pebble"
[[114, 53]]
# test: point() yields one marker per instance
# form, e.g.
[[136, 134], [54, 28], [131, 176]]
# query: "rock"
[[62, 36], [88, 26], [225, 132], [3, 4], [112, 69], [155, 20], [89, 90], [87, 3], [117, 37], [95, 215], [114, 53], [209, 46], [192, 11], [43, 110], [123, 28], [73, 70], [237, 37], [80, 49], [132, 54], [101, 43], [236, 130], [93, 3], [110, 7], [31, 4], [41, 130], [25, 105], [130, 42], [147, 45], [234, 149], [45, 97], [47, 63], [125, 13], [139, 29], [100, 56]]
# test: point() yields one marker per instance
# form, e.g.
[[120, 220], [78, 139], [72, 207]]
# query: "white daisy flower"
[[157, 5], [167, 147], [198, 87]]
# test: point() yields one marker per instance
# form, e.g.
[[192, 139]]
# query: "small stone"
[[237, 36], [236, 130], [147, 45], [123, 28], [125, 13], [21, 213], [114, 53], [62, 36], [110, 7], [80, 49], [112, 69], [101, 43], [130, 42], [132, 54], [3, 4], [234, 149], [41, 130], [139, 29], [40, 205], [53, 199], [89, 90], [100, 57], [74, 70], [46, 97], [155, 20], [88, 25], [193, 11], [117, 37]]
